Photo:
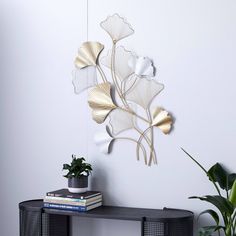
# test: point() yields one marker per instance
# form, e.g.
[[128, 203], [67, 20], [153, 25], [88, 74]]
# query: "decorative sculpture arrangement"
[[126, 99]]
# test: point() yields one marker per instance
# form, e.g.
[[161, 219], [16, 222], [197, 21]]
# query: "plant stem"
[[217, 189], [234, 221]]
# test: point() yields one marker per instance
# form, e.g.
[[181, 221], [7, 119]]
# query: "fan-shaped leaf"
[[88, 54], [117, 27], [101, 102]]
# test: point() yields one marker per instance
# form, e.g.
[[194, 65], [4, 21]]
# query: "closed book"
[[66, 194], [50, 198], [70, 201], [71, 207]]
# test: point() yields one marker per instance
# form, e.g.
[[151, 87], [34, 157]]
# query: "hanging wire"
[[87, 112]]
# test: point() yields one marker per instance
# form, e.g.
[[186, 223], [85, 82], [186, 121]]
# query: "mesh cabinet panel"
[[179, 228], [33, 222], [55, 225], [30, 223], [154, 228]]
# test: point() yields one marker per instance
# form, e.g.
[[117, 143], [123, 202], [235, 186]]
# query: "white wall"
[[42, 122]]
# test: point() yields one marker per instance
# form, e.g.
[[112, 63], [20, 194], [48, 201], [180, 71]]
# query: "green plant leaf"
[[218, 174], [213, 214], [66, 167], [231, 180], [232, 197], [223, 204], [77, 168], [209, 230]]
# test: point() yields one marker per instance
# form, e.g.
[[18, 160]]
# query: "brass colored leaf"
[[88, 54], [99, 99], [162, 120]]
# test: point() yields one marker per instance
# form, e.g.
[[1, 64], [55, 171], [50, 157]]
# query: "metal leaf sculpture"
[[99, 99], [121, 120], [84, 78], [162, 120], [143, 91], [117, 27], [103, 141], [122, 57], [130, 78], [142, 66], [88, 54]]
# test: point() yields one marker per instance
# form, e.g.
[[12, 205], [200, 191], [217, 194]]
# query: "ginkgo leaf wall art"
[[123, 97]]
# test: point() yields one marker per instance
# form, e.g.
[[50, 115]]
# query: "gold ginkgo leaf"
[[100, 100], [88, 54], [162, 120]]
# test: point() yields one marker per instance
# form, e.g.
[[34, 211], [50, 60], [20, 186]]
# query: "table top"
[[115, 212]]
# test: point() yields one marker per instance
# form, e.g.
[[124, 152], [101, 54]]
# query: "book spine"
[[49, 198], [73, 203], [65, 207], [71, 196]]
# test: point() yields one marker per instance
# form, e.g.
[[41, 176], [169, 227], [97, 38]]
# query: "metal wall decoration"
[[123, 97]]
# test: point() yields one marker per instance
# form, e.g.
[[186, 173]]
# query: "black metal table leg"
[[143, 226]]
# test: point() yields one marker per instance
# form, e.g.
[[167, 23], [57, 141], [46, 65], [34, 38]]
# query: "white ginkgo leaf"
[[84, 78], [142, 91], [103, 141], [122, 57], [116, 27], [121, 120], [142, 66]]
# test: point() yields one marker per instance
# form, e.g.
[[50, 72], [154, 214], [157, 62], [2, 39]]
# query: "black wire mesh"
[[180, 228], [35, 223], [30, 223], [154, 228]]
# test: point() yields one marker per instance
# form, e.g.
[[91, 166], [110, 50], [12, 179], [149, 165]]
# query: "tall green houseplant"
[[224, 201]]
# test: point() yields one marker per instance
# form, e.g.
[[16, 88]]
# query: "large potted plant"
[[224, 201], [77, 173]]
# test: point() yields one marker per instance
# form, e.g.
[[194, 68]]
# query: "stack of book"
[[65, 200]]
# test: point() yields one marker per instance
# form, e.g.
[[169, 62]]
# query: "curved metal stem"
[[103, 76], [152, 150], [150, 144], [143, 135], [139, 144]]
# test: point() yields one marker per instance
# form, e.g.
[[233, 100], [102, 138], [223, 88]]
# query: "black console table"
[[35, 220]]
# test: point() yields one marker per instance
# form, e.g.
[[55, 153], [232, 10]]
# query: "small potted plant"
[[78, 172]]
